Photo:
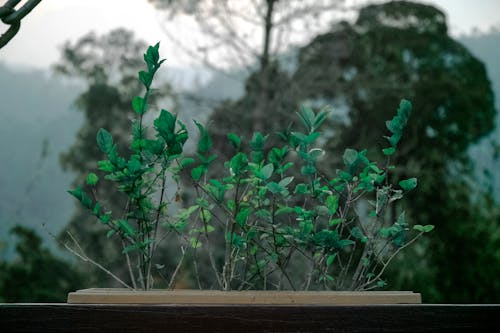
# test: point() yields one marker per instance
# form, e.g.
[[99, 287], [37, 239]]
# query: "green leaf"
[[408, 184], [77, 193], [316, 153], [267, 171], [131, 248], [184, 214], [307, 117], [401, 221], [197, 172], [82, 197], [320, 118], [104, 141], [284, 210], [195, 243], [285, 181], [423, 228], [106, 166], [394, 139], [330, 259], [236, 240], [326, 277], [138, 104], [350, 156], [301, 189], [152, 55], [385, 232], [358, 234], [242, 216], [204, 142], [110, 233], [308, 170], [124, 226], [165, 125], [105, 218], [146, 78], [238, 163], [235, 140], [133, 165], [97, 209], [332, 202], [92, 179], [389, 151], [312, 137], [155, 147], [185, 162], [345, 242], [334, 222], [274, 187]]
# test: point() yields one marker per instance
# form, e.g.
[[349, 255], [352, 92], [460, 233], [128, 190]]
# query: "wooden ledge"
[[124, 296], [123, 318]]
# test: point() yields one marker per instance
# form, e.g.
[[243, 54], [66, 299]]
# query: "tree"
[[402, 49], [235, 116], [108, 65], [249, 34], [395, 50], [36, 275]]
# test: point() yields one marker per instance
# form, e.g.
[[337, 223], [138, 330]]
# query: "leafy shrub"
[[273, 221]]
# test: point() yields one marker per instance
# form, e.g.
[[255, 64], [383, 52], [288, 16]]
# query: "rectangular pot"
[[181, 296]]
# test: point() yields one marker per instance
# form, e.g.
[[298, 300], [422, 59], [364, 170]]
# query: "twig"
[[389, 260], [85, 258], [176, 271], [129, 266]]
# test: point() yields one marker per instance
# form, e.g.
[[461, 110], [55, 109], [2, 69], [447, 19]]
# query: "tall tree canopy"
[[36, 275], [396, 50]]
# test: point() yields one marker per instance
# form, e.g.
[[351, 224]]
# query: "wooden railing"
[[254, 318]]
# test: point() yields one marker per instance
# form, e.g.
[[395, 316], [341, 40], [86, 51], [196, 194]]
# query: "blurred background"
[[247, 65]]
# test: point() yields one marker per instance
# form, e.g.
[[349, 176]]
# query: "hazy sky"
[[54, 21]]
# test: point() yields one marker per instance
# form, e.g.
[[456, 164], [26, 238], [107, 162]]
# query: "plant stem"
[[129, 266], [81, 254], [153, 245], [177, 268], [229, 232], [389, 260]]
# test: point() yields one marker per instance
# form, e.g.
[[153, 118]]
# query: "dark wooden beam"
[[254, 318]]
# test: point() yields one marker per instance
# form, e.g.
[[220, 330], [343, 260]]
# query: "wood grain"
[[248, 318], [124, 296]]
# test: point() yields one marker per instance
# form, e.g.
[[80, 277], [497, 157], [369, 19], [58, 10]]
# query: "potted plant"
[[274, 228]]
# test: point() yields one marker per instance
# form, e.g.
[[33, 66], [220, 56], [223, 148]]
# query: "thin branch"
[[81, 254], [389, 260], [129, 266], [177, 268]]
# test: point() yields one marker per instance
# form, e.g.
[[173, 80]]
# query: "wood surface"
[[248, 318], [124, 296]]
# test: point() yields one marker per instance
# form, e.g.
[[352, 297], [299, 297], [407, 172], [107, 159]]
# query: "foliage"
[[107, 65], [250, 36], [403, 49], [270, 221], [36, 275], [398, 49], [234, 116]]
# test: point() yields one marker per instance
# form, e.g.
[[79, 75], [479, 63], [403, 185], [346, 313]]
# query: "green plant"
[[274, 221]]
